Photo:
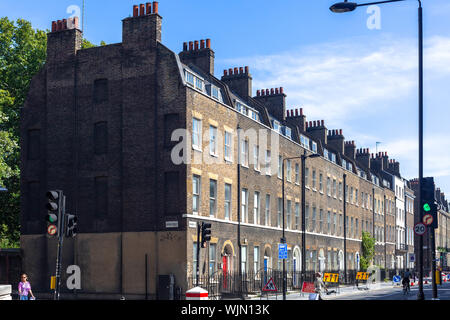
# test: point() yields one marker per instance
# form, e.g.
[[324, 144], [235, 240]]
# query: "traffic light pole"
[[60, 244], [197, 272], [420, 295], [433, 261]]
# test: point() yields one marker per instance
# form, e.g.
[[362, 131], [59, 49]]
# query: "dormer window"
[[304, 141], [325, 153], [215, 92], [199, 84], [276, 125], [288, 132], [314, 146], [189, 78]]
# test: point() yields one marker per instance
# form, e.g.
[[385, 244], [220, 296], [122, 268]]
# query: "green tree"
[[23, 51], [22, 55], [368, 250]]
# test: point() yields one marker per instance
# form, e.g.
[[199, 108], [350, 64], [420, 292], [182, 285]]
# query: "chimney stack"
[[318, 131], [296, 118], [240, 82], [64, 40], [350, 149], [363, 157], [274, 102], [200, 55], [143, 30], [336, 140]]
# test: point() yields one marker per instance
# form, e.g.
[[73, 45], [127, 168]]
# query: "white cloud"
[[370, 90]]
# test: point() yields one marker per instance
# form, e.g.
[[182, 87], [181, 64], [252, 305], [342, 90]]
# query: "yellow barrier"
[[53, 282]]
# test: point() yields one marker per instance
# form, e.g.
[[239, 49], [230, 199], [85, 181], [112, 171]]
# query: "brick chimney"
[[318, 130], [336, 140], [143, 29], [296, 117], [376, 162], [64, 40], [274, 100], [199, 54], [393, 167], [350, 149], [363, 157], [239, 82]]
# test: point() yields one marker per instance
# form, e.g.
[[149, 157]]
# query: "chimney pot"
[[230, 71], [76, 22], [235, 70], [314, 123], [246, 69], [185, 46], [191, 45], [155, 7], [202, 44], [301, 111], [276, 90], [148, 5], [208, 43], [340, 132], [241, 70], [296, 112], [267, 92], [322, 123], [225, 72], [142, 9], [271, 91], [281, 90], [135, 10], [64, 24], [306, 124], [54, 26], [196, 44], [58, 25], [258, 93]]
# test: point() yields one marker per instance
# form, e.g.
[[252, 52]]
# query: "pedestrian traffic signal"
[[71, 225], [206, 233], [54, 207], [428, 203]]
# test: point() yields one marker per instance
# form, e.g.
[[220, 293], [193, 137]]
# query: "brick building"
[[101, 125]]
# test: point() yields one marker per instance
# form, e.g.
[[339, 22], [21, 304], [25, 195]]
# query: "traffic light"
[[428, 203], [71, 225], [206, 233], [54, 207]]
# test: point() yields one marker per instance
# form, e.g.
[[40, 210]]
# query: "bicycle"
[[406, 288]]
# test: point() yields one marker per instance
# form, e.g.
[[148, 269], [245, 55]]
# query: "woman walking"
[[25, 288]]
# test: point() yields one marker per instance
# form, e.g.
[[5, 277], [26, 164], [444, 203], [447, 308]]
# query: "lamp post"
[[283, 239], [350, 6]]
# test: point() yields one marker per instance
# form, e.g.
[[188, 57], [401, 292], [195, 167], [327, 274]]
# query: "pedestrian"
[[320, 285], [25, 288]]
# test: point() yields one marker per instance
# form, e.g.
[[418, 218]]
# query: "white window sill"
[[197, 148]]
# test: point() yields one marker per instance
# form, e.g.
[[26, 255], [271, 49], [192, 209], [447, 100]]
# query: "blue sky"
[[361, 80]]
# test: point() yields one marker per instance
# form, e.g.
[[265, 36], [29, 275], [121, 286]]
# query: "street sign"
[[282, 251], [51, 229], [396, 279], [412, 257], [362, 275], [331, 277], [270, 286], [420, 229], [308, 287], [427, 219]]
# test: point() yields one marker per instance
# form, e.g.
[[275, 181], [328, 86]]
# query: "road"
[[391, 293]]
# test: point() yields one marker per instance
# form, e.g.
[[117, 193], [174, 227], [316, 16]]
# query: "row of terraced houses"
[[101, 125]]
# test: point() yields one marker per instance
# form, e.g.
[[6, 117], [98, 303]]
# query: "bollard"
[[197, 293]]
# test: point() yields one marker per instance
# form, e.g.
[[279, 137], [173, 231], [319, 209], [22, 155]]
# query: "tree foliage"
[[22, 55], [368, 250]]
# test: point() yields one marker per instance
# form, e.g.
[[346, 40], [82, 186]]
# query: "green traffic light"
[[426, 207], [52, 217]]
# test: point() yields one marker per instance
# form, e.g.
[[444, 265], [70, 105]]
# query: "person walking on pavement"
[[25, 288], [320, 285]]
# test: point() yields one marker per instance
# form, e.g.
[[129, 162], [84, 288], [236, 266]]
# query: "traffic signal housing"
[[428, 202], [71, 225], [206, 233], [54, 211]]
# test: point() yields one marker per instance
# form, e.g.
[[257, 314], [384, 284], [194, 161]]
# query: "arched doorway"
[[321, 260], [341, 260], [267, 262], [296, 266]]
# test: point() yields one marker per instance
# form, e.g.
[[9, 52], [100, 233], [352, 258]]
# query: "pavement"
[[376, 291]]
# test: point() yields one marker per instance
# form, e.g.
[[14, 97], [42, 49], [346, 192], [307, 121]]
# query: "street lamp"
[[350, 6], [283, 239]]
